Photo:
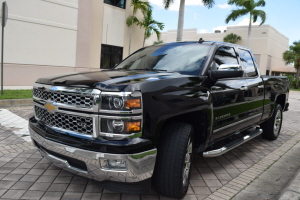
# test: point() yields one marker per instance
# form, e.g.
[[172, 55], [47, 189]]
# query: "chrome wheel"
[[187, 164], [277, 122]]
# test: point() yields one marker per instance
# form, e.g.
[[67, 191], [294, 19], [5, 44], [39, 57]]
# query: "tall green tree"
[[137, 5], [247, 7], [292, 56], [232, 38], [151, 26], [167, 3]]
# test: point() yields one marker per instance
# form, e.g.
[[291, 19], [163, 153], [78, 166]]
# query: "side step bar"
[[232, 145]]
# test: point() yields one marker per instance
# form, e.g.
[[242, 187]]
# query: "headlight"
[[121, 102], [114, 122], [121, 126]]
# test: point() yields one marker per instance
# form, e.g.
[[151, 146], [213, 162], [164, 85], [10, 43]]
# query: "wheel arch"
[[199, 122], [281, 100]]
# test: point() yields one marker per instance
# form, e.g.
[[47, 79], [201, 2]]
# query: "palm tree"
[[293, 56], [232, 38], [167, 3], [137, 5], [149, 24], [247, 7], [158, 42]]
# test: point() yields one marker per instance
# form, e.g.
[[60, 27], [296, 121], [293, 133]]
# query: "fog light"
[[112, 164], [115, 125], [118, 125]]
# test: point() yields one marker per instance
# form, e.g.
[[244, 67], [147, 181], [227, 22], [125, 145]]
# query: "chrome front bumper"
[[140, 166]]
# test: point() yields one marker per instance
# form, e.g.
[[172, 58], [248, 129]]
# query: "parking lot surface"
[[24, 174]]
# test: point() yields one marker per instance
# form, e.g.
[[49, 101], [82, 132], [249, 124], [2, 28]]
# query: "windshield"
[[184, 58]]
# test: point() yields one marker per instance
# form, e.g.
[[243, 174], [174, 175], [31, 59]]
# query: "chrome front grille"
[[78, 124], [65, 98]]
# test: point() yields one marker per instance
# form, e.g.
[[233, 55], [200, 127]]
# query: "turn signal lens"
[[133, 126], [133, 103]]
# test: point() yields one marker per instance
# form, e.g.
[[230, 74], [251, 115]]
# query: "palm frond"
[[167, 3], [131, 20], [139, 5], [232, 38], [236, 14], [261, 3], [150, 25], [293, 54], [259, 13], [208, 3]]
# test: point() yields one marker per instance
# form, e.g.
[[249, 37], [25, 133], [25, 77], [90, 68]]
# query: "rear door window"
[[248, 63]]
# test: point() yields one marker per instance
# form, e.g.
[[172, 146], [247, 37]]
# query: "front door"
[[229, 97]]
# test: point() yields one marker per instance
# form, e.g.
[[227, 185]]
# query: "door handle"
[[244, 88], [261, 86]]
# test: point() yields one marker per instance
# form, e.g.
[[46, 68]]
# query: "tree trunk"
[[249, 32], [180, 21], [144, 38], [130, 35], [297, 76]]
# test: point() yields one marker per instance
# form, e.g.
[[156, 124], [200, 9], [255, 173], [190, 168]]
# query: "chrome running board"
[[232, 145]]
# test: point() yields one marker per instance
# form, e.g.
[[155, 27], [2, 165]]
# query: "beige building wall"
[[266, 42], [49, 37], [100, 23], [40, 39]]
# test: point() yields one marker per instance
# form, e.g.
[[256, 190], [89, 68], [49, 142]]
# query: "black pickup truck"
[[141, 121]]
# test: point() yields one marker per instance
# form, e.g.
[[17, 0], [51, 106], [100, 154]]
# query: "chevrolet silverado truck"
[[143, 119]]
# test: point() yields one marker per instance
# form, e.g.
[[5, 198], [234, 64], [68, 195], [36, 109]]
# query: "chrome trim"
[[65, 163], [121, 136], [235, 123], [140, 166], [230, 146], [138, 111], [95, 118], [70, 90], [76, 110], [244, 88]]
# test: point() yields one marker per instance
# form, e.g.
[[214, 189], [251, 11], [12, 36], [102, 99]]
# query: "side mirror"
[[227, 71]]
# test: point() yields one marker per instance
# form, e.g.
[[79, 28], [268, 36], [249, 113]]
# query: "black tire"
[[173, 152], [271, 128]]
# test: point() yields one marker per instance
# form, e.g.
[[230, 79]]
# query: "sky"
[[283, 15]]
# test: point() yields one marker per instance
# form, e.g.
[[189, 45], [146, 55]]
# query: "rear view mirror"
[[227, 71]]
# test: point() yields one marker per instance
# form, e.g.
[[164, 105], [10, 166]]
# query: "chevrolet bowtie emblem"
[[49, 107]]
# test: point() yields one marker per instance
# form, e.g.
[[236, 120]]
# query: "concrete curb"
[[6, 103], [292, 192]]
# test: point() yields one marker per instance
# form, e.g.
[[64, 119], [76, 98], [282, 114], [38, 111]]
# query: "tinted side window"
[[248, 63], [226, 55]]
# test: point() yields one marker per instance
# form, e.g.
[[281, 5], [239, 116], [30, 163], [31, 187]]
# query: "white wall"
[[113, 26], [41, 32]]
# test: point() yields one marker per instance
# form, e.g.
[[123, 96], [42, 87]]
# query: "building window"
[[117, 3], [268, 72], [110, 56]]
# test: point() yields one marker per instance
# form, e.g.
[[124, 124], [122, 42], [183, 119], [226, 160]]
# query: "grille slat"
[[78, 124], [69, 99]]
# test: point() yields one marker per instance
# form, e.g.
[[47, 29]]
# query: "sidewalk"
[[272, 183], [292, 192]]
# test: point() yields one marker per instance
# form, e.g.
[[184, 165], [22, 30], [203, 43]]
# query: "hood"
[[108, 80]]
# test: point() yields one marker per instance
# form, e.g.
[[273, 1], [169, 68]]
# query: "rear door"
[[255, 91], [228, 96]]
